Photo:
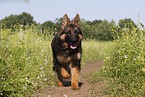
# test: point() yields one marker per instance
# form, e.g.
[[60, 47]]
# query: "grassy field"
[[26, 60], [94, 50]]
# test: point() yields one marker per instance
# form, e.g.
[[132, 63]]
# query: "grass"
[[26, 60], [94, 50], [124, 65]]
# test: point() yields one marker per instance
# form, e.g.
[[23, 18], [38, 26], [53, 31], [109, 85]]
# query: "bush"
[[12, 21], [25, 63], [100, 31], [124, 63], [128, 23]]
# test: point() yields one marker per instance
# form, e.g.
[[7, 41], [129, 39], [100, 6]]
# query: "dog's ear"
[[76, 20], [65, 20]]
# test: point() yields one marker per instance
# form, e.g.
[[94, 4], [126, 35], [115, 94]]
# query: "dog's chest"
[[64, 60], [66, 57]]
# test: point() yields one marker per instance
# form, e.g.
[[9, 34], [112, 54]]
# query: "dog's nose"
[[73, 39]]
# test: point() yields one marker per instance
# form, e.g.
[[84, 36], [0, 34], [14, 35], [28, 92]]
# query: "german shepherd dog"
[[67, 51]]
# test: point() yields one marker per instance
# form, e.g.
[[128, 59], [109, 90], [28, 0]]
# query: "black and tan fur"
[[67, 51]]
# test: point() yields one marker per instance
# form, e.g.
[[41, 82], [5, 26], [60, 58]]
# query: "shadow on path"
[[67, 83]]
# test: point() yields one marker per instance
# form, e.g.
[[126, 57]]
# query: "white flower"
[[65, 95], [38, 77], [126, 56], [107, 57]]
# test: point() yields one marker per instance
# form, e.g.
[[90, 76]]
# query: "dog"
[[67, 51]]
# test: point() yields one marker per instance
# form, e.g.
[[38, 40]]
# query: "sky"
[[44, 10]]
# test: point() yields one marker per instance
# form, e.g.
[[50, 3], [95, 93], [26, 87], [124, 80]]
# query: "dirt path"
[[86, 89]]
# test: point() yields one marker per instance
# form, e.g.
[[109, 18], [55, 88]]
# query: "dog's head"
[[70, 32]]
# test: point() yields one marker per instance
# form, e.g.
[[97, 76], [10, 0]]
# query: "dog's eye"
[[69, 32]]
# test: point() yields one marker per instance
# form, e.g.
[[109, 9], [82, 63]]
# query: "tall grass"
[[123, 64], [94, 50], [25, 62]]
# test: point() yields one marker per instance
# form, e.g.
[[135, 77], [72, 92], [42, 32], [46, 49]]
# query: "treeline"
[[12, 21], [96, 29]]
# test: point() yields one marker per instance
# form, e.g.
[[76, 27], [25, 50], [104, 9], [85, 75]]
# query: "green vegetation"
[[124, 64], [26, 60], [26, 57], [94, 50], [127, 23], [26, 63], [96, 29], [12, 21]]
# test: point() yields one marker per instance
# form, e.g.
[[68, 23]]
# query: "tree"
[[25, 19], [95, 22], [127, 23], [21, 19], [89, 22], [100, 30], [58, 23], [47, 24], [9, 21], [105, 30], [88, 30]]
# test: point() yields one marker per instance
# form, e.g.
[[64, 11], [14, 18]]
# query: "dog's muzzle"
[[73, 44]]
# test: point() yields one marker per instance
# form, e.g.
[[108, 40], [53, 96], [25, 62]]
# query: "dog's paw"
[[75, 86], [60, 83]]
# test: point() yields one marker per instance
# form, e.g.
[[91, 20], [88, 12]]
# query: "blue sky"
[[43, 10]]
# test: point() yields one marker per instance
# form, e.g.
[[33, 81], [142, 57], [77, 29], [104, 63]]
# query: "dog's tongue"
[[73, 47]]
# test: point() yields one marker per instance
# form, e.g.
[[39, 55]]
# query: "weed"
[[25, 62], [124, 63]]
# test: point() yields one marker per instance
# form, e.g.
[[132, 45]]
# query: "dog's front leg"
[[75, 78], [75, 69]]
